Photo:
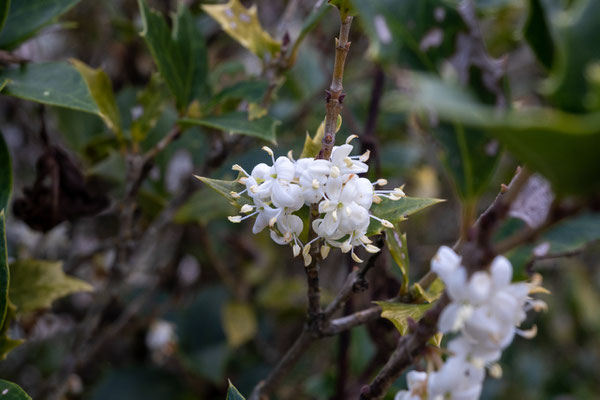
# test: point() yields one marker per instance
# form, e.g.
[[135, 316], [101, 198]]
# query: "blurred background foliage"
[[435, 89]]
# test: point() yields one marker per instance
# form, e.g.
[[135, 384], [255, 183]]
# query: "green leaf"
[[466, 157], [312, 146], [239, 323], [56, 84], [561, 146], [233, 394], [396, 244], [4, 271], [12, 391], [573, 234], [345, 7], [237, 122], [398, 29], [432, 293], [36, 284], [100, 87], [538, 34], [180, 55], [153, 101], [26, 17], [577, 29], [225, 188], [317, 13], [5, 174], [397, 210], [252, 91], [242, 24], [6, 343], [202, 207], [399, 313], [4, 9]]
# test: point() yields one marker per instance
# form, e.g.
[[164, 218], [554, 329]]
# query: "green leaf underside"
[[396, 244], [12, 391], [237, 122], [233, 394], [397, 210], [398, 313], [100, 87], [180, 54], [35, 284], [26, 17], [56, 84], [562, 146]]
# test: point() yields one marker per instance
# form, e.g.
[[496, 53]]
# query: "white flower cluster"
[[342, 197], [485, 310]]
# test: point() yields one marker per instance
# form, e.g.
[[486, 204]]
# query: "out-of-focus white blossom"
[[486, 310]]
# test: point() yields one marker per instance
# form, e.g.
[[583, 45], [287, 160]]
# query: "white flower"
[[312, 175], [340, 159], [457, 379], [417, 387]]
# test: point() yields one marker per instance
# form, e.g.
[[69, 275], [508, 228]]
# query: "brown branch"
[[476, 255], [341, 324], [335, 96]]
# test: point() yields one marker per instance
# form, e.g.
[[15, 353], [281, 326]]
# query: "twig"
[[6, 58], [335, 95], [369, 138], [341, 324], [476, 254]]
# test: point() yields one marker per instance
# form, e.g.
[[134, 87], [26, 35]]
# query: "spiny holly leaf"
[[26, 17], [239, 323], [225, 188], [12, 391], [36, 284], [312, 146], [56, 84], [233, 394], [242, 24], [396, 244], [399, 313], [6, 343], [100, 87], [397, 210], [238, 122], [180, 55]]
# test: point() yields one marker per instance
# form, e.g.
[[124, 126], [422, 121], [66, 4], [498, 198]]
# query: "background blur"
[[206, 300]]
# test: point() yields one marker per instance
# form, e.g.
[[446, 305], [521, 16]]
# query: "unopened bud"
[[325, 251]]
